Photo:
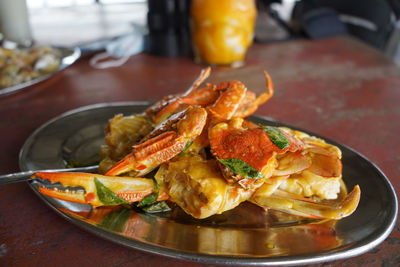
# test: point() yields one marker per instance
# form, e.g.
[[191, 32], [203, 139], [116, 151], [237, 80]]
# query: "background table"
[[338, 88]]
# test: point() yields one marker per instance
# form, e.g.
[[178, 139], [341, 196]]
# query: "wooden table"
[[338, 88]]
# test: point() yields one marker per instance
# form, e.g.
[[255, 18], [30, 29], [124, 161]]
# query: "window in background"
[[69, 3], [75, 22]]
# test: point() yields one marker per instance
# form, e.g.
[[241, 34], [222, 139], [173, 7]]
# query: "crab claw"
[[305, 207], [162, 145], [95, 189], [149, 155]]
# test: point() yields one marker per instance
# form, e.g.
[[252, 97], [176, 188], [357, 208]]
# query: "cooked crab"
[[273, 167]]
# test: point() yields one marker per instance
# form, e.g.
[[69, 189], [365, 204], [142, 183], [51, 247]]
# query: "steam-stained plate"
[[245, 235], [67, 57]]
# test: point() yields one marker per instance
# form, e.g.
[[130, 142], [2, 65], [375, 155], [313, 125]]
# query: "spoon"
[[26, 176]]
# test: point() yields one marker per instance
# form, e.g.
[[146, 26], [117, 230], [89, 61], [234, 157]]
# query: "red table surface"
[[338, 88]]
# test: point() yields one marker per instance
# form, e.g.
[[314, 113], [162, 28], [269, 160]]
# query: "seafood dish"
[[197, 151], [22, 65]]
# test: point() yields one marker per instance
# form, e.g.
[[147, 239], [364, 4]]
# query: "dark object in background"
[[372, 21], [269, 26], [311, 21], [168, 23], [321, 23]]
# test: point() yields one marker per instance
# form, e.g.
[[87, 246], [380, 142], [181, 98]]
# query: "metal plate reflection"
[[244, 235]]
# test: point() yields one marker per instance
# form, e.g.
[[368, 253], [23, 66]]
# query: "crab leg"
[[228, 102], [203, 75], [175, 102], [298, 205], [250, 105], [96, 189]]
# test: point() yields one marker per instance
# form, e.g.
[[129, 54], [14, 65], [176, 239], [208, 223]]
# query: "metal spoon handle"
[[26, 176]]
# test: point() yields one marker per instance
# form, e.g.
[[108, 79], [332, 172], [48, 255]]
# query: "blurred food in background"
[[22, 65]]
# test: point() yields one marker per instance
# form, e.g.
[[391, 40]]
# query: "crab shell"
[[240, 139]]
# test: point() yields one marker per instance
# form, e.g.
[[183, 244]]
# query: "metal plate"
[[68, 57], [245, 235]]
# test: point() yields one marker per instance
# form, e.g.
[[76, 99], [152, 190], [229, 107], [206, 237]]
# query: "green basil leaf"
[[149, 199], [106, 196], [116, 220], [157, 207], [276, 136], [241, 168], [156, 187], [188, 144]]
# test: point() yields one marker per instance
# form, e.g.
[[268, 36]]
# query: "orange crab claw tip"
[[206, 71], [203, 75], [124, 165], [269, 80]]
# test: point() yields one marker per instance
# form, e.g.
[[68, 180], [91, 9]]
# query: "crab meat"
[[196, 185], [122, 132]]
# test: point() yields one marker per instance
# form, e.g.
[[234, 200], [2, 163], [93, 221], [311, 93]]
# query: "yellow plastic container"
[[222, 30]]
